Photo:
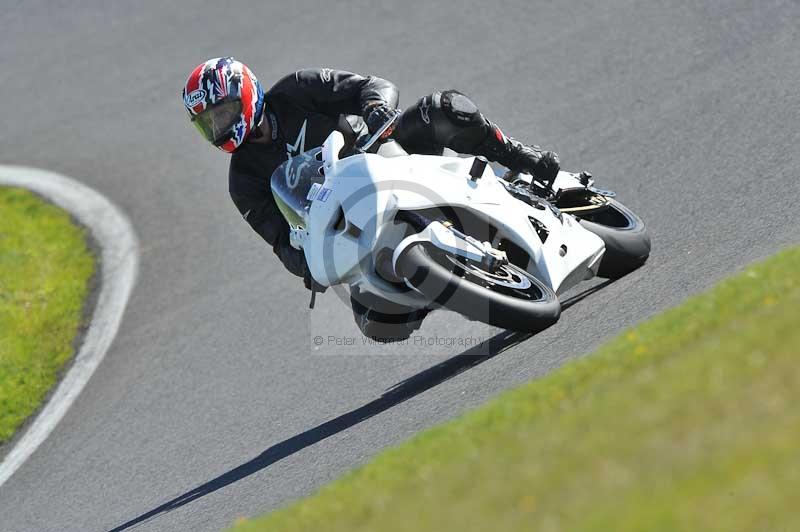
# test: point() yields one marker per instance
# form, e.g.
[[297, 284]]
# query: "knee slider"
[[444, 119], [467, 127], [460, 109]]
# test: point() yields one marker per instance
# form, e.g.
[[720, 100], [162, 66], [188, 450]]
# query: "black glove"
[[548, 166], [376, 117]]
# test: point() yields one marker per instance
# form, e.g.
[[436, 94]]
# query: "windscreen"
[[293, 185]]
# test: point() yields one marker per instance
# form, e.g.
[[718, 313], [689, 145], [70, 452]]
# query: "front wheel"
[[625, 236], [508, 297]]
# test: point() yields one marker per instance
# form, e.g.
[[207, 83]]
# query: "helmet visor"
[[216, 122]]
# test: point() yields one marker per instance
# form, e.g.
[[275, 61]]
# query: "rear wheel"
[[625, 236], [507, 297]]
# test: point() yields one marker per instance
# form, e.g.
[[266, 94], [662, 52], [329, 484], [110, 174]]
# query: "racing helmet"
[[224, 100]]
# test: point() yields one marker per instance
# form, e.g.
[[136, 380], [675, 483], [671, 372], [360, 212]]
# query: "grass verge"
[[687, 422], [45, 268]]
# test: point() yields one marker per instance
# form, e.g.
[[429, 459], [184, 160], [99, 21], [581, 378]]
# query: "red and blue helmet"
[[224, 100]]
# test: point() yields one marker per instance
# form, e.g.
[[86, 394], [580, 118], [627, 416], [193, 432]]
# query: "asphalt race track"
[[214, 403]]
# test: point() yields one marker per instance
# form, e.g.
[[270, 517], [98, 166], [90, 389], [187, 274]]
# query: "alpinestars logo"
[[424, 109], [299, 145]]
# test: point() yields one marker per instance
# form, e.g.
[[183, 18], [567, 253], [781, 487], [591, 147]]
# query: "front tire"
[[509, 298]]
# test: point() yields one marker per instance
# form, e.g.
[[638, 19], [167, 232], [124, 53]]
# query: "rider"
[[226, 102]]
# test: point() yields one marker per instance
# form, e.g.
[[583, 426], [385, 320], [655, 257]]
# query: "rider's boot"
[[382, 320], [518, 157]]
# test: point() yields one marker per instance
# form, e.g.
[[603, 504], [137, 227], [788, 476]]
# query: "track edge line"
[[119, 264]]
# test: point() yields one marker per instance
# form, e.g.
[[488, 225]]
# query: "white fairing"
[[368, 190]]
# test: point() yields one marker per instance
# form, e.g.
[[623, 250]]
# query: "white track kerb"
[[119, 261]]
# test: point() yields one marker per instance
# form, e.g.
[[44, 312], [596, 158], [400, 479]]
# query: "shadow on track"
[[399, 393]]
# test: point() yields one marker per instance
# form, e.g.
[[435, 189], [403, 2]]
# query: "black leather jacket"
[[303, 109]]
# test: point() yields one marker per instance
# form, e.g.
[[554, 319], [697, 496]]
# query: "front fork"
[[448, 239]]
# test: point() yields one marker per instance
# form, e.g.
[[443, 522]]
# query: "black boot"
[[516, 156], [382, 320]]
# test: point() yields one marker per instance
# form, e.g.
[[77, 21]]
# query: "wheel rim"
[[591, 203], [504, 276], [613, 215], [509, 279]]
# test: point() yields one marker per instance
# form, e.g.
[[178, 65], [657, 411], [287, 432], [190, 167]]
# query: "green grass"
[[45, 267], [687, 422]]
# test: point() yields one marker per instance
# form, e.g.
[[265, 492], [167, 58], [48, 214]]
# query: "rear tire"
[[625, 236], [510, 298]]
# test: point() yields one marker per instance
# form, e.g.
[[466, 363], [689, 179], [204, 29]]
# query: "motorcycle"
[[427, 231]]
